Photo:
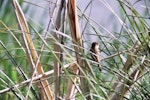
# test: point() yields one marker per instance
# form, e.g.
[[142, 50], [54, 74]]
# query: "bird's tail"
[[100, 67]]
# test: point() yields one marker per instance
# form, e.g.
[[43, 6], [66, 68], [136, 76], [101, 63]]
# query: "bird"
[[95, 53]]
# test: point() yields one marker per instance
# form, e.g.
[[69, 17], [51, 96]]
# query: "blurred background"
[[114, 24]]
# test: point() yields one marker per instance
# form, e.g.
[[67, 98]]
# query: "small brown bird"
[[95, 53]]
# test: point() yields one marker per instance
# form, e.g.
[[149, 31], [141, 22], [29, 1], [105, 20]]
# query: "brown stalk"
[[123, 86], [71, 89], [57, 48], [127, 66], [77, 40], [32, 55]]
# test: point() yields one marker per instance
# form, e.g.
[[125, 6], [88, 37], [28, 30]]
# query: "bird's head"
[[95, 46]]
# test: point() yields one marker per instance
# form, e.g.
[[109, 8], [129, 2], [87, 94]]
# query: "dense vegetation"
[[124, 50]]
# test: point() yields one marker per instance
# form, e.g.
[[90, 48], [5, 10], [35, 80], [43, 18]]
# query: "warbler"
[[95, 53]]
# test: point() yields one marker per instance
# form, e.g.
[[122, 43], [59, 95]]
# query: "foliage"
[[126, 44]]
